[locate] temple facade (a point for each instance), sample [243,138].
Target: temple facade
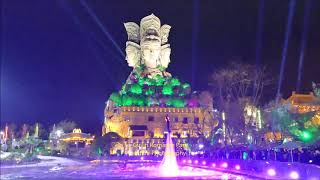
[148,122]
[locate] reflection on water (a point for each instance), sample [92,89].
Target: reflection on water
[108,171]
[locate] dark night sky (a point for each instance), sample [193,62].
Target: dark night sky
[57,63]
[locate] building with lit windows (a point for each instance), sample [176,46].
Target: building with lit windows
[303,103]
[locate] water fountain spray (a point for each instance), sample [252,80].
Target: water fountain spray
[168,165]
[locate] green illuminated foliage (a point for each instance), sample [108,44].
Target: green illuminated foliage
[141,90]
[141,81]
[116,98]
[136,89]
[185,86]
[167,90]
[179,103]
[175,82]
[127,101]
[159,80]
[306,136]
[169,102]
[150,82]
[149,92]
[140,102]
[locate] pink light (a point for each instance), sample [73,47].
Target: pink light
[141,158]
[271,172]
[294,175]
[189,161]
[184,161]
[213,165]
[237,167]
[196,161]
[204,163]
[224,165]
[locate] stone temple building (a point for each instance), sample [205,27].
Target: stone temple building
[137,112]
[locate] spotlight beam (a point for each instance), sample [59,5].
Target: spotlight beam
[303,41]
[285,46]
[104,30]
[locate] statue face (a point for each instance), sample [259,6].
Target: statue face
[132,55]
[151,36]
[150,56]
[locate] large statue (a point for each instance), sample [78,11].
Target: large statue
[147,46]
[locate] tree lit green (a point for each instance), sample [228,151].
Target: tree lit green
[136,89]
[149,92]
[167,90]
[142,90]
[127,101]
[116,98]
[175,82]
[185,86]
[306,136]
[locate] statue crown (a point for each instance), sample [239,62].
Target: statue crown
[149,22]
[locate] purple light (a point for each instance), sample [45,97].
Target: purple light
[184,161]
[294,175]
[224,165]
[189,161]
[204,163]
[141,158]
[237,167]
[196,161]
[271,172]
[213,164]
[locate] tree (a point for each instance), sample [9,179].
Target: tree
[67,125]
[24,130]
[235,87]
[42,132]
[301,127]
[103,144]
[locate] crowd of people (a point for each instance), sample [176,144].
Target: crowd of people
[303,155]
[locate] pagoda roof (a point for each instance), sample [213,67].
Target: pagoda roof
[76,137]
[309,99]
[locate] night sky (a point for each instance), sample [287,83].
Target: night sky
[57,62]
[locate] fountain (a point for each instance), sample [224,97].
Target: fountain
[168,165]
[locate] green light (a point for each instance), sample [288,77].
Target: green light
[167,90]
[175,82]
[149,92]
[185,86]
[141,81]
[179,103]
[136,89]
[306,136]
[116,98]
[169,102]
[159,80]
[127,101]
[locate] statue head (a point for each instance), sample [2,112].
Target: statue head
[147,44]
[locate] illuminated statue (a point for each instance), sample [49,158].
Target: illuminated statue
[148,46]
